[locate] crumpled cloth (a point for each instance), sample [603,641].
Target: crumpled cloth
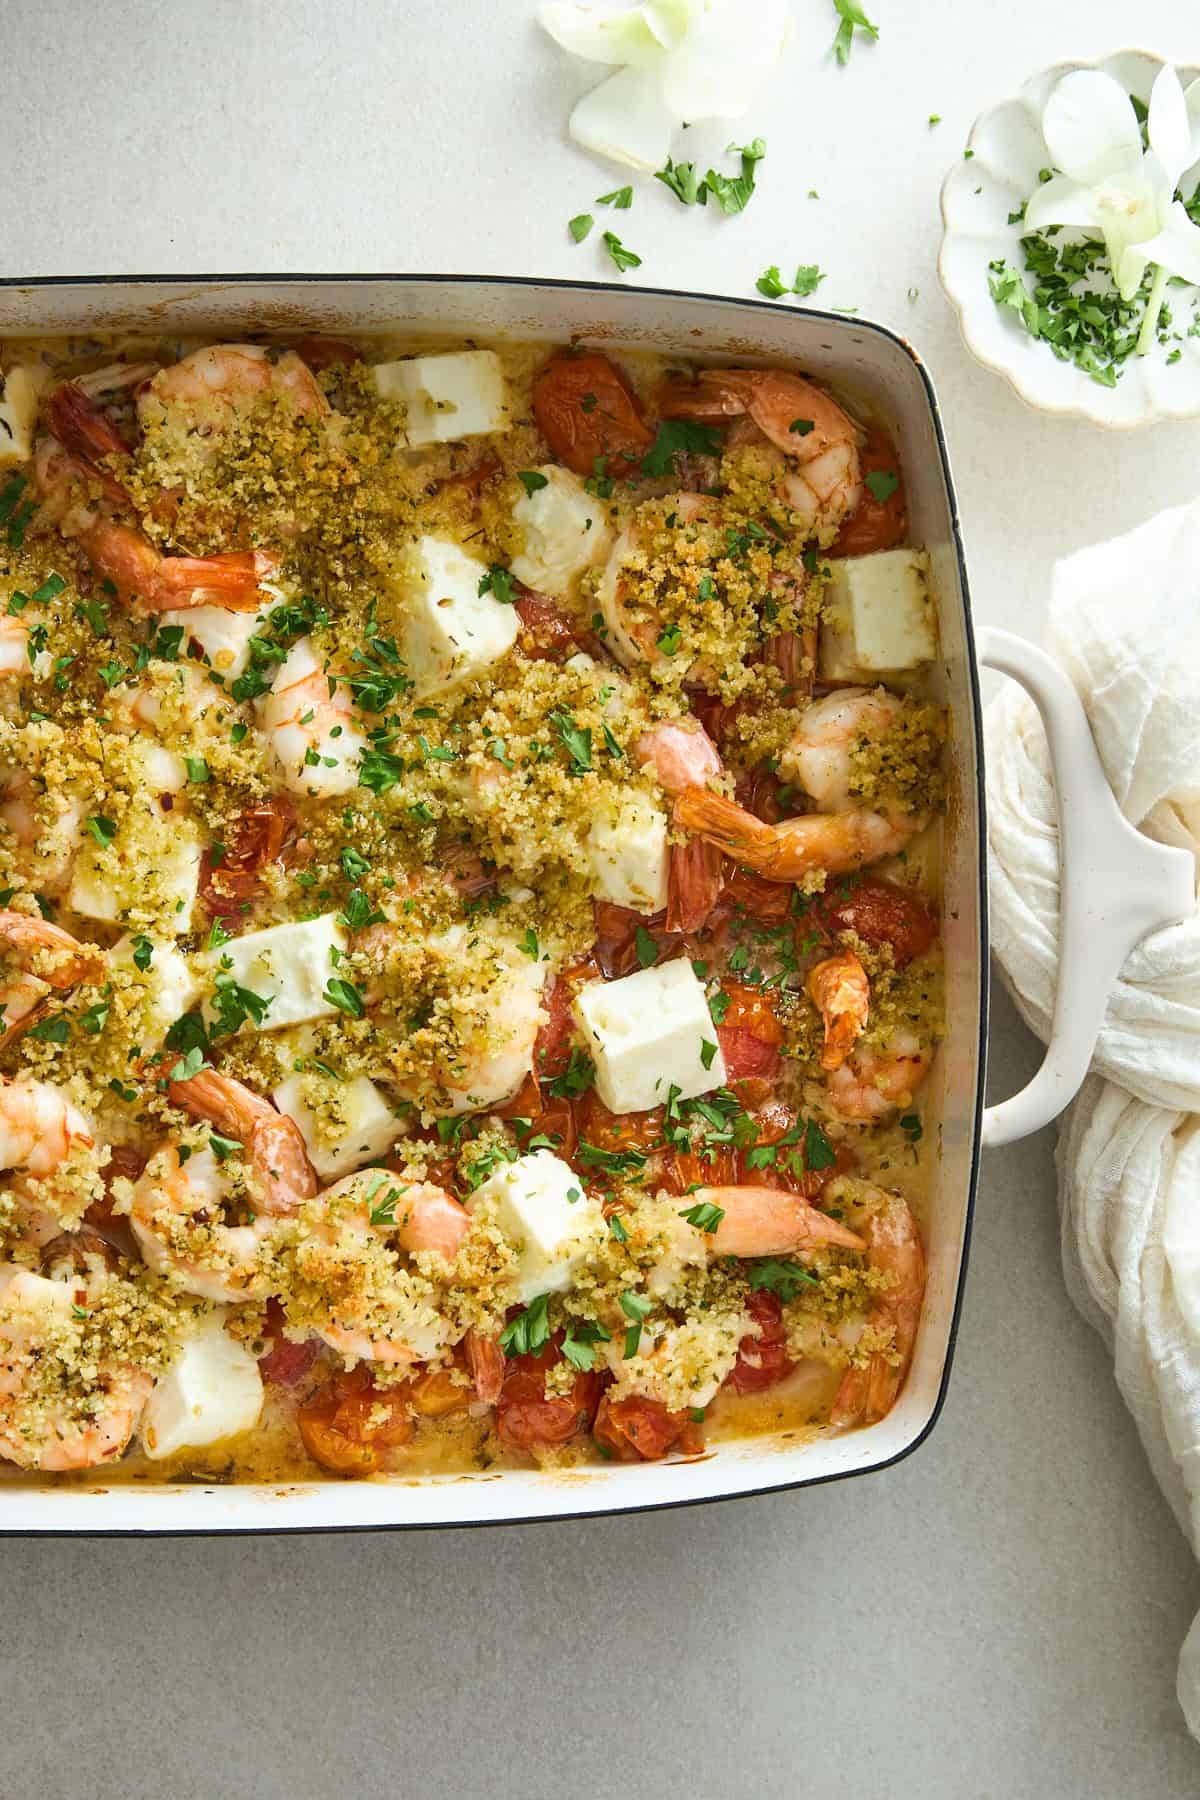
[1125,623]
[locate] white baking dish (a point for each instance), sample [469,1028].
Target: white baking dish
[1117,885]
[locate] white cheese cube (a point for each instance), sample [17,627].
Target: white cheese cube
[879,616]
[351,1124]
[565,531]
[630,855]
[160,993]
[458,395]
[148,875]
[647,1034]
[543,1211]
[18,413]
[452,631]
[212,1390]
[287,965]
[223,635]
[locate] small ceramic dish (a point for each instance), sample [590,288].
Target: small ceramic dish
[979,194]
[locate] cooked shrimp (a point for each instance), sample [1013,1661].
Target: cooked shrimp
[376,1309]
[868,1393]
[683,755]
[59,1409]
[311,727]
[818,445]
[839,989]
[273,1143]
[45,826]
[872,1083]
[839,837]
[835,842]
[214,385]
[46,958]
[485,1364]
[39,1127]
[79,422]
[178,1218]
[633,634]
[124,556]
[820,755]
[497,1011]
[763,1221]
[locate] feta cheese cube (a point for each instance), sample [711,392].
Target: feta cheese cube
[287,965]
[879,616]
[149,874]
[18,413]
[565,531]
[160,993]
[350,1124]
[458,395]
[212,1390]
[551,1223]
[647,1034]
[452,632]
[223,635]
[630,855]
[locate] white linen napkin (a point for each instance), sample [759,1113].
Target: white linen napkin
[1125,623]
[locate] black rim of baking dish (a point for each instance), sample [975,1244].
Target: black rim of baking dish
[842,323]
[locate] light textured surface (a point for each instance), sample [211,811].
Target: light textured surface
[998,1616]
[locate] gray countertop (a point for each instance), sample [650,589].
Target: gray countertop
[999,1615]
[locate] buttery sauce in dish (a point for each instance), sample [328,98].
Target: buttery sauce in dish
[469,955]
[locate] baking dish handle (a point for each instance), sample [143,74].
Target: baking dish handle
[1115,887]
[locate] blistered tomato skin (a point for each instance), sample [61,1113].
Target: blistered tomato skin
[875,524]
[526,1418]
[762,1360]
[643,1429]
[880,913]
[585,409]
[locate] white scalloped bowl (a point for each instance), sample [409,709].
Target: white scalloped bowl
[978,195]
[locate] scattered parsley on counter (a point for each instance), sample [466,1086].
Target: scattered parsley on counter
[623,258]
[853,19]
[621,198]
[580,225]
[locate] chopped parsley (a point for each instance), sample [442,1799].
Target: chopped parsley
[705,1216]
[345,996]
[853,19]
[807,280]
[529,1332]
[1073,306]
[500,582]
[785,1278]
[575,1079]
[580,225]
[883,484]
[52,1031]
[623,258]
[679,436]
[636,1307]
[102,829]
[532,480]
[912,1128]
[647,949]
[683,182]
[579,1344]
[575,740]
[621,198]
[143,952]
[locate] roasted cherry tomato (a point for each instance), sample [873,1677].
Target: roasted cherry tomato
[323,352]
[616,1131]
[749,1034]
[525,1417]
[767,901]
[880,913]
[875,524]
[585,409]
[762,1360]
[644,1428]
[552,1049]
[285,1363]
[350,1422]
[230,878]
